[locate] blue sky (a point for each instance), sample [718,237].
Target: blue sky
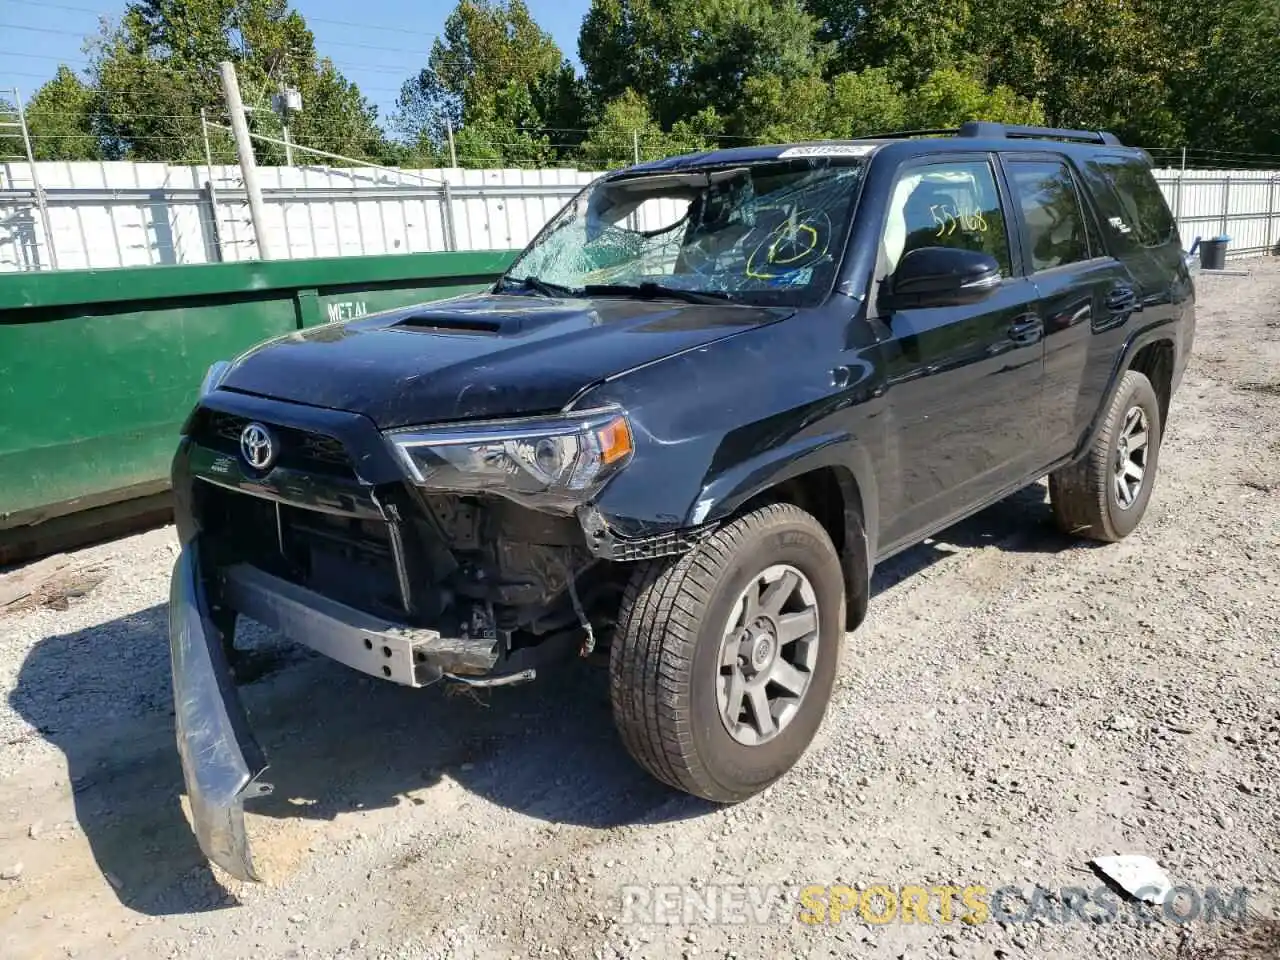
[390,43]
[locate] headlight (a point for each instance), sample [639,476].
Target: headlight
[566,457]
[214,376]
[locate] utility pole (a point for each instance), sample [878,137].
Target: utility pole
[453,154]
[244,151]
[635,145]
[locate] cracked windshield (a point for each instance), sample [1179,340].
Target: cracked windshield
[768,232]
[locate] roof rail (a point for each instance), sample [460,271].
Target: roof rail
[982,128]
[906,134]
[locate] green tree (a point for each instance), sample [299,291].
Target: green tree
[1087,63]
[60,119]
[775,110]
[627,129]
[701,131]
[504,127]
[866,102]
[425,114]
[155,70]
[683,56]
[1094,64]
[498,79]
[907,38]
[948,97]
[1225,85]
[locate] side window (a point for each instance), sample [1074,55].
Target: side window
[1145,215]
[1050,203]
[946,205]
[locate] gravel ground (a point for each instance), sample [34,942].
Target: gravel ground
[1015,705]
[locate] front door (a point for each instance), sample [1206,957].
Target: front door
[963,383]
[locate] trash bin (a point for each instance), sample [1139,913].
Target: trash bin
[1213,253]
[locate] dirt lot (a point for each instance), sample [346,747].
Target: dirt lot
[1016,705]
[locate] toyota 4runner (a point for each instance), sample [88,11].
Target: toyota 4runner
[680,431]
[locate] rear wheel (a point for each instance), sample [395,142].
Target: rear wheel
[1104,495]
[724,658]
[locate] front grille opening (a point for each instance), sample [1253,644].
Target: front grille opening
[299,449]
[348,559]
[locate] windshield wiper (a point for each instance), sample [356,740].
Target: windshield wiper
[652,291]
[542,287]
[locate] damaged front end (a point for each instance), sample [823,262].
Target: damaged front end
[398,555]
[221,761]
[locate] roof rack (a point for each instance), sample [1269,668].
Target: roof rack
[907,134]
[982,128]
[1000,131]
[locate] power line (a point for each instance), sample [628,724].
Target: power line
[332,43]
[408,72]
[306,120]
[448,58]
[1193,153]
[1237,157]
[402,31]
[19,26]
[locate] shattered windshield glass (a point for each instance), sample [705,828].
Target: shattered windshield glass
[761,232]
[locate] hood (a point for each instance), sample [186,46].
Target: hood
[494,355]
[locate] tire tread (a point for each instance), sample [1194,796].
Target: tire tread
[1080,492]
[653,647]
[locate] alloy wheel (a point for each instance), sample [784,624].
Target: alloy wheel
[767,654]
[1131,457]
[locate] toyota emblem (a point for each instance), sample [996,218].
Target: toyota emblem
[257,447]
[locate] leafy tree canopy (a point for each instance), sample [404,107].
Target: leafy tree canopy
[499,82]
[152,72]
[663,76]
[686,55]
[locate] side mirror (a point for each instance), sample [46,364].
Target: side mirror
[941,277]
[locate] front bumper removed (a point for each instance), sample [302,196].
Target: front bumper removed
[221,761]
[412,656]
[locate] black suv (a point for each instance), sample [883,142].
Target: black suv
[681,430]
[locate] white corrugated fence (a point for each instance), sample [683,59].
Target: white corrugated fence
[135,214]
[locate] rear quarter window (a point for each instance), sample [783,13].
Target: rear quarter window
[1143,217]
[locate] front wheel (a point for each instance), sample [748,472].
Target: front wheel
[1104,495]
[724,659]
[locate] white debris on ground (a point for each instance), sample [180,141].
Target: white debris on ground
[1016,705]
[1140,877]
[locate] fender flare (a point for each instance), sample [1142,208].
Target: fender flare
[852,466]
[1163,330]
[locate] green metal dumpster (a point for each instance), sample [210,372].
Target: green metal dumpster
[98,368]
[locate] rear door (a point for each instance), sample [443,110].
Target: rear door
[1138,225]
[1140,229]
[963,382]
[1086,294]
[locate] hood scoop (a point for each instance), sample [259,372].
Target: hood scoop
[498,316]
[460,323]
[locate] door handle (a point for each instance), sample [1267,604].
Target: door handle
[1026,329]
[1122,299]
